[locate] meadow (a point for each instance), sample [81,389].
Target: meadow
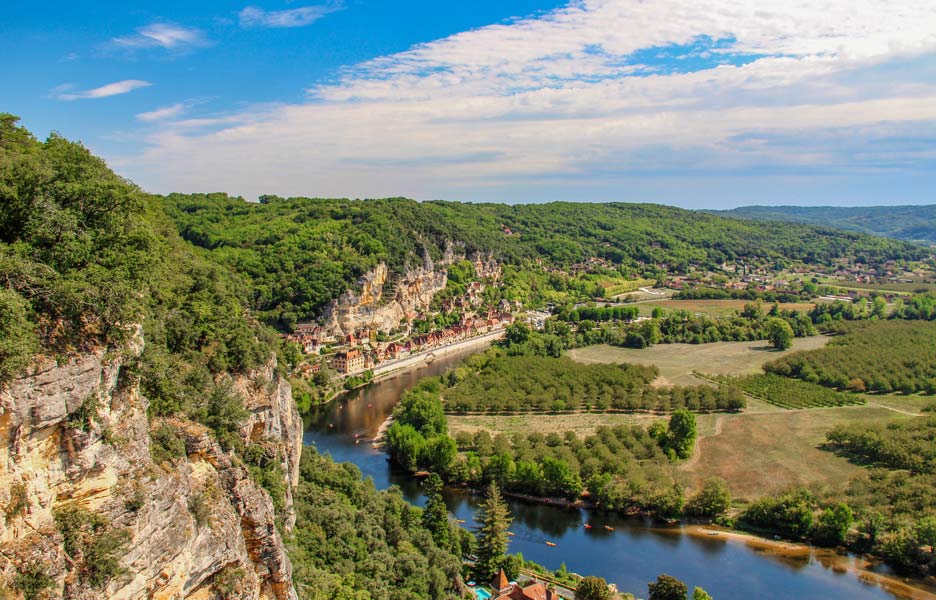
[677,362]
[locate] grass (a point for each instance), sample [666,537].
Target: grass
[677,361]
[765,453]
[763,450]
[582,424]
[714,308]
[913,404]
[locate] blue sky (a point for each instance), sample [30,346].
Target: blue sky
[697,104]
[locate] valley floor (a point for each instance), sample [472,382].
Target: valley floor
[762,450]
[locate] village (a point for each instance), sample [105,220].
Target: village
[360,351]
[372,350]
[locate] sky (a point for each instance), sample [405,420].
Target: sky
[700,104]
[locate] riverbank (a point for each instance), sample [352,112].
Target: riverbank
[838,562]
[613,540]
[414,360]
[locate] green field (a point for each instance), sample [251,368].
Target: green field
[677,362]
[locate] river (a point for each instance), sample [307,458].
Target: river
[630,556]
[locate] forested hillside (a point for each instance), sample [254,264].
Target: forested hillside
[299,253]
[909,223]
[90,266]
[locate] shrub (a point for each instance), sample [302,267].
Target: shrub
[32,581]
[166,445]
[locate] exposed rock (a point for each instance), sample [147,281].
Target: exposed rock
[274,420]
[383,300]
[77,434]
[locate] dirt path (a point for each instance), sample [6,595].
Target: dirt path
[697,450]
[896,410]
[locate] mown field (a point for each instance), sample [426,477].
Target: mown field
[760,453]
[677,362]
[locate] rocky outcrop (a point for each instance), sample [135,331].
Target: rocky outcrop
[383,300]
[76,434]
[274,423]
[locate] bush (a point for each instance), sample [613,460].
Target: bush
[790,513]
[19,501]
[94,547]
[712,500]
[32,581]
[18,341]
[166,445]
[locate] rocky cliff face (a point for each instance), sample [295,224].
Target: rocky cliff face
[76,436]
[383,300]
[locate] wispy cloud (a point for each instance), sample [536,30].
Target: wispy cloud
[600,89]
[111,89]
[253,16]
[161,114]
[162,35]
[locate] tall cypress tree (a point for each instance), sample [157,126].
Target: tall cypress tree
[435,515]
[492,535]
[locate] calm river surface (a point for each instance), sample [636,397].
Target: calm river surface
[630,556]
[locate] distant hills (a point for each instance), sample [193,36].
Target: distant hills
[909,223]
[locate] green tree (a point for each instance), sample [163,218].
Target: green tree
[713,499]
[925,532]
[833,525]
[682,433]
[440,452]
[435,514]
[494,516]
[700,594]
[17,336]
[593,588]
[667,587]
[780,334]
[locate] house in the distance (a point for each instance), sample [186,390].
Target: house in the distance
[351,361]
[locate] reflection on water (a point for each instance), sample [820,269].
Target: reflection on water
[631,555]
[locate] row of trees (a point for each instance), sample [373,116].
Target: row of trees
[624,468]
[874,356]
[504,383]
[786,392]
[906,445]
[752,323]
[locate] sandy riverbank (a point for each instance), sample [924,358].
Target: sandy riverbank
[829,558]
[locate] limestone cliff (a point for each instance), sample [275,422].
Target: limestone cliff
[383,300]
[76,434]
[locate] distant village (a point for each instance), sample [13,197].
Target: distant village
[367,348]
[360,350]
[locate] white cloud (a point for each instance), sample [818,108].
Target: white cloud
[162,35]
[253,16]
[111,89]
[579,93]
[160,114]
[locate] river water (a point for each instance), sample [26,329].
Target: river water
[631,555]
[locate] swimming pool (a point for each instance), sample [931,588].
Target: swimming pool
[482,594]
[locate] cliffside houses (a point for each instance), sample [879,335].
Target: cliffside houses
[311,336]
[348,362]
[360,350]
